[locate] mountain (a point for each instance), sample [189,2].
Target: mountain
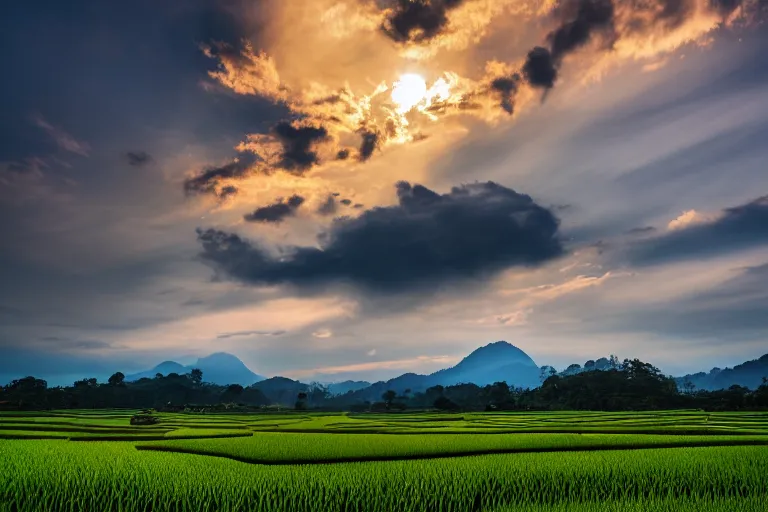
[223,368]
[749,374]
[340,388]
[499,361]
[495,362]
[163,368]
[219,368]
[281,390]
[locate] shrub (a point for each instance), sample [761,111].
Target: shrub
[144,419]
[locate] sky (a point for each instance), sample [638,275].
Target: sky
[336,189]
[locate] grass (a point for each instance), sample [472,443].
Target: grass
[385,462]
[57,475]
[293,448]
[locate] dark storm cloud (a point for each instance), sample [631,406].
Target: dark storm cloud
[469,233]
[343,154]
[539,68]
[137,158]
[580,20]
[506,87]
[277,211]
[418,20]
[226,335]
[298,143]
[738,228]
[346,202]
[328,207]
[207,181]
[368,145]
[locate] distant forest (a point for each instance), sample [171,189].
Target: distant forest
[630,385]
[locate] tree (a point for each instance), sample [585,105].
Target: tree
[158,375]
[232,393]
[613,362]
[27,384]
[117,379]
[301,401]
[445,404]
[388,396]
[86,383]
[196,376]
[689,387]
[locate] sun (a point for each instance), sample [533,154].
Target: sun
[408,91]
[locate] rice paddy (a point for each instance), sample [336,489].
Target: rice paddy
[495,462]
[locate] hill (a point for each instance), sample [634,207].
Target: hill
[748,374]
[495,362]
[219,368]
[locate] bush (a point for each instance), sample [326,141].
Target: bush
[144,419]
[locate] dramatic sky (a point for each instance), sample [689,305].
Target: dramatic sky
[357,188]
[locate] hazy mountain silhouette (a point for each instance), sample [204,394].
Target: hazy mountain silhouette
[748,374]
[340,388]
[495,362]
[281,390]
[219,368]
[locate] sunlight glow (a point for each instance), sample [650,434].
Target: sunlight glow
[408,92]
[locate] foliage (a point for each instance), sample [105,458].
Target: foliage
[144,419]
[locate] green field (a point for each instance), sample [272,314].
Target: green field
[585,461]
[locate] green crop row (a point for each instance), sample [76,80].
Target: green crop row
[293,448]
[58,475]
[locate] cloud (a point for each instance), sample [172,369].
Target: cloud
[417,20]
[410,364]
[737,228]
[331,111]
[470,233]
[328,207]
[62,139]
[506,88]
[369,144]
[371,352]
[297,142]
[323,333]
[63,343]
[689,218]
[539,68]
[246,72]
[211,180]
[644,230]
[276,212]
[226,335]
[580,20]
[137,158]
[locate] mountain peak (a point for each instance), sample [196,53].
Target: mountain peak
[218,368]
[220,358]
[501,351]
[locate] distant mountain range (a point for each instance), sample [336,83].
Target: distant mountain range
[749,374]
[499,361]
[219,368]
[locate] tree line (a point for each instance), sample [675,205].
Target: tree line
[627,386]
[170,392]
